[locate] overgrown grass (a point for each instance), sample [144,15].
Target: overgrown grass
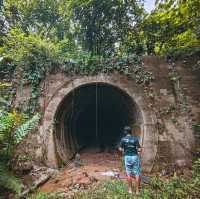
[175,188]
[8,182]
[157,188]
[41,195]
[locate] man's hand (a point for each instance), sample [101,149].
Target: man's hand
[140,150]
[120,149]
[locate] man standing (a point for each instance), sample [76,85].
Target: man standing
[130,147]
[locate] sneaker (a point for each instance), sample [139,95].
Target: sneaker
[130,191]
[137,193]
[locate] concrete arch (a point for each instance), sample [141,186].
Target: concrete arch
[149,135]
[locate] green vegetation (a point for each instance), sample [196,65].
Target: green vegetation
[196,127]
[158,187]
[14,127]
[174,187]
[89,37]
[105,28]
[39,57]
[8,181]
[25,128]
[173,28]
[41,195]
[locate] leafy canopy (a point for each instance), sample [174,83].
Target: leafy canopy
[172,26]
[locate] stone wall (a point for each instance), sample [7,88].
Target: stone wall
[176,139]
[167,135]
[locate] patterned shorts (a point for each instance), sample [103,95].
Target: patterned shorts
[132,165]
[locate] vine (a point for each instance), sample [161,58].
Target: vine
[131,66]
[30,58]
[180,98]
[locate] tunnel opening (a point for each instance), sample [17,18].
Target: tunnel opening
[93,116]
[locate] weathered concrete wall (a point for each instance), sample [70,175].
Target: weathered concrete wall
[132,89]
[176,139]
[167,136]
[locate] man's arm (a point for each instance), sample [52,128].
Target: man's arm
[120,149]
[121,146]
[139,148]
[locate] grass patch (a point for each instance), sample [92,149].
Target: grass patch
[157,188]
[174,188]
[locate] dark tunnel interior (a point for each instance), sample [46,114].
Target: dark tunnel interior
[94,116]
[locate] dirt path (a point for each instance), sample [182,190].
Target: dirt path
[96,167]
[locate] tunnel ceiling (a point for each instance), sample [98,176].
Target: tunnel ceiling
[93,115]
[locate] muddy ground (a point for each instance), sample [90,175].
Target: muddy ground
[94,167]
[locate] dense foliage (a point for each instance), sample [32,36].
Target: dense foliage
[173,27]
[38,36]
[92,25]
[86,37]
[101,25]
[14,127]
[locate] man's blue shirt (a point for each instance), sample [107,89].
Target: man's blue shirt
[130,144]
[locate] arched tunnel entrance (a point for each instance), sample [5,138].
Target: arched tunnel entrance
[93,116]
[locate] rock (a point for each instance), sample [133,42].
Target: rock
[85,181]
[35,184]
[93,179]
[145,179]
[22,167]
[78,162]
[85,174]
[163,91]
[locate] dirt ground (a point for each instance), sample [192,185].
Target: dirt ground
[95,167]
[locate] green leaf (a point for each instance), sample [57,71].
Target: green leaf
[25,128]
[8,180]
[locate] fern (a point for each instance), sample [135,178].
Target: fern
[6,124]
[8,180]
[8,140]
[25,128]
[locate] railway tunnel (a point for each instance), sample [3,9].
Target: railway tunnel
[93,116]
[81,112]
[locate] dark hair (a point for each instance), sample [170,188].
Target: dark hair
[127,130]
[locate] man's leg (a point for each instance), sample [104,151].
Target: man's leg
[129,168]
[129,179]
[137,171]
[137,184]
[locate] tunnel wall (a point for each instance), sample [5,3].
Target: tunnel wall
[94,115]
[166,140]
[149,136]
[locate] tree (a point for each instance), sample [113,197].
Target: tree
[95,26]
[100,25]
[3,22]
[173,25]
[48,18]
